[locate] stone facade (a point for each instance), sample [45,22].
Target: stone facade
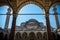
[30,25]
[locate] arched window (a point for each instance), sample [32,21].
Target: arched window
[5,17]
[54,16]
[30,11]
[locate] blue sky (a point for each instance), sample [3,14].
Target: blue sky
[28,9]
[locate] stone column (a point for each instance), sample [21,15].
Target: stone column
[12,32]
[7,19]
[49,36]
[56,17]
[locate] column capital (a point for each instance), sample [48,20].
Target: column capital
[14,15]
[47,14]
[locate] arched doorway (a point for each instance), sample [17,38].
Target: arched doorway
[24,36]
[39,36]
[18,36]
[32,36]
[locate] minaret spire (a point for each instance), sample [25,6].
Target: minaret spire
[56,16]
[7,19]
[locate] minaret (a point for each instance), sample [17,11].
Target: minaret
[7,19]
[56,16]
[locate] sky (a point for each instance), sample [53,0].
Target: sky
[28,9]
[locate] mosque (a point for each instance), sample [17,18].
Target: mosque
[31,29]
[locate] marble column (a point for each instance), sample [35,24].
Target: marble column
[7,19]
[49,35]
[56,16]
[12,32]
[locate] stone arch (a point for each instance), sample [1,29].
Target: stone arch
[18,36]
[54,3]
[30,2]
[24,36]
[32,36]
[31,13]
[45,36]
[39,36]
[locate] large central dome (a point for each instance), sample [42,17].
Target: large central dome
[33,20]
[32,24]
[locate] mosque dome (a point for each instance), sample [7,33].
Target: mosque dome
[33,20]
[32,24]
